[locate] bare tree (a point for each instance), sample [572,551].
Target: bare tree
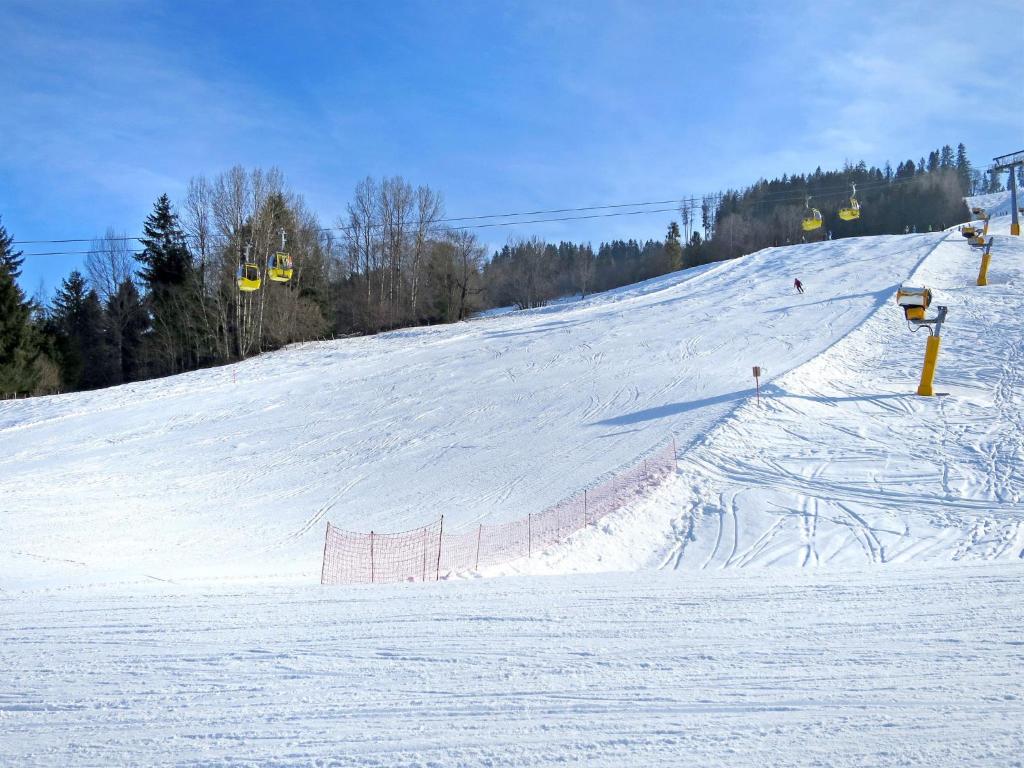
[429,208]
[469,258]
[110,261]
[583,269]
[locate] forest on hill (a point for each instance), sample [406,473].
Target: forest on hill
[169,301]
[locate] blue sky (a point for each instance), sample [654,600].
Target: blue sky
[501,106]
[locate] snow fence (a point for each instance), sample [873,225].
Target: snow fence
[431,552]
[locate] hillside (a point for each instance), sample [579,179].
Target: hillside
[133,519]
[234,471]
[841,464]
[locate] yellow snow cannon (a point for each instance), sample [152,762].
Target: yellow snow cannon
[914,301]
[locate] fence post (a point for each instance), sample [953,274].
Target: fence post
[371,558]
[584,507]
[323,568]
[423,574]
[529,534]
[440,534]
[478,532]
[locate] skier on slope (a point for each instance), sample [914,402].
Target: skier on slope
[798,285]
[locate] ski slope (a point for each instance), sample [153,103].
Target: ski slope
[833,577]
[996,204]
[232,472]
[886,666]
[841,464]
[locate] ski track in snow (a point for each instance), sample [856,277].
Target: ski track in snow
[890,477]
[881,667]
[233,471]
[158,540]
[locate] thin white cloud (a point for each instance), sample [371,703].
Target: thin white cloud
[904,75]
[121,114]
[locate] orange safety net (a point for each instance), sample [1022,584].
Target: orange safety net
[430,553]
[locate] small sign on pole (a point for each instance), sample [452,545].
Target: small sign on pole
[757,382]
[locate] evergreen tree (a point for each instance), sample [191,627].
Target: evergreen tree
[83,351]
[963,168]
[172,294]
[165,258]
[946,157]
[66,316]
[126,326]
[10,259]
[673,248]
[18,350]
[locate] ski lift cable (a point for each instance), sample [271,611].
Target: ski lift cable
[444,220]
[692,202]
[464,227]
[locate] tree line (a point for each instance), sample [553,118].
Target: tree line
[169,302]
[913,197]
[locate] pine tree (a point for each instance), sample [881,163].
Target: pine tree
[83,349]
[673,248]
[126,326]
[18,350]
[66,316]
[10,259]
[165,259]
[94,341]
[963,168]
[995,183]
[946,157]
[171,291]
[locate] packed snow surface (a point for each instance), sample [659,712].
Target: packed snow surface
[840,463]
[234,471]
[894,666]
[160,542]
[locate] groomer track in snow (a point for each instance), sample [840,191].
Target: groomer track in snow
[863,645]
[841,463]
[233,472]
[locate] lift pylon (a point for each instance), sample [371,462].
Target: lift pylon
[1011,163]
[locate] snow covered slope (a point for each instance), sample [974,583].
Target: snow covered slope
[833,660]
[233,471]
[996,204]
[841,463]
[885,667]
